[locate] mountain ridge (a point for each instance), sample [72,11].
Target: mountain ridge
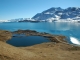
[59,13]
[70,14]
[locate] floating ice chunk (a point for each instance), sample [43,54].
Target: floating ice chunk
[74,40]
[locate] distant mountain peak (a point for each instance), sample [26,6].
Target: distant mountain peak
[70,12]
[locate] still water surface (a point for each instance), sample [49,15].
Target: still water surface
[62,28]
[22,41]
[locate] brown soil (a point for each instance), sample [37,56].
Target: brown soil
[44,51]
[5,35]
[59,51]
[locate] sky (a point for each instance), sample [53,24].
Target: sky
[12,9]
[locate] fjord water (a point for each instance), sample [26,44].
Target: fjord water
[69,29]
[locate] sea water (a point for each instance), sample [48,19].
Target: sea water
[68,29]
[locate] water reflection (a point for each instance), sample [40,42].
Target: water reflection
[62,28]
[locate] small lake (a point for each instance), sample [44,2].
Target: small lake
[22,41]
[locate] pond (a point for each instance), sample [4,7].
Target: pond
[22,41]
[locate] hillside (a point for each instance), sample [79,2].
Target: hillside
[44,51]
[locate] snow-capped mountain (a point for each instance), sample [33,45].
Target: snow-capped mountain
[1,21]
[70,14]
[58,13]
[19,20]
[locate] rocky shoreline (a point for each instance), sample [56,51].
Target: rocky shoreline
[52,38]
[60,50]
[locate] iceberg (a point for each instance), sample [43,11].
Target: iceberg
[74,40]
